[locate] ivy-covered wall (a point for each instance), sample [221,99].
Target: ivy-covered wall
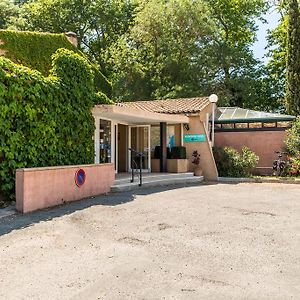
[46,121]
[34,50]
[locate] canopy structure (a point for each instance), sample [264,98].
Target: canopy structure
[225,115]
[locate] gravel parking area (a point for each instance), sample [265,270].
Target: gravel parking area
[225,241]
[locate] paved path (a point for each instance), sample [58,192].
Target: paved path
[203,242]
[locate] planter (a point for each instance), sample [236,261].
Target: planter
[177,165]
[198,171]
[155,165]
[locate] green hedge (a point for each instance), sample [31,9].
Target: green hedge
[34,50]
[45,121]
[178,152]
[231,163]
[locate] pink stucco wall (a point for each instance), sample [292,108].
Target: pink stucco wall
[263,143]
[38,188]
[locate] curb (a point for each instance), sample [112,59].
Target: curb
[257,180]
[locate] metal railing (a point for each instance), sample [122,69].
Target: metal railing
[140,156]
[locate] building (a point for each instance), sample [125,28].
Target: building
[262,132]
[143,125]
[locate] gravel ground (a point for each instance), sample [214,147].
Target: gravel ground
[220,241]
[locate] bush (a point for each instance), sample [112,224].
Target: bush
[231,163]
[178,152]
[157,152]
[293,147]
[45,121]
[293,139]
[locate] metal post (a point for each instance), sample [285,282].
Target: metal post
[213,125]
[131,165]
[141,162]
[163,147]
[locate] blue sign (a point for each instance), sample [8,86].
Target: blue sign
[194,138]
[80,177]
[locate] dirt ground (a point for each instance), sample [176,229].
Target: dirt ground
[201,242]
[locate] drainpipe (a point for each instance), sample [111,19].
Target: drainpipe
[213,99]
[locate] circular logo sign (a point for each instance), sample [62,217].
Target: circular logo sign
[80,177]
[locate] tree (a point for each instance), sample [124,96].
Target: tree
[293,59]
[162,55]
[8,10]
[191,48]
[97,23]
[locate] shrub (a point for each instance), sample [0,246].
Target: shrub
[45,121]
[293,138]
[157,152]
[178,152]
[231,163]
[293,147]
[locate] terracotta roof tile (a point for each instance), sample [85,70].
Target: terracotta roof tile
[169,106]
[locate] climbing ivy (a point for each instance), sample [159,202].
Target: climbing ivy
[34,50]
[45,121]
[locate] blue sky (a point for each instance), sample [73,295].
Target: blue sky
[259,47]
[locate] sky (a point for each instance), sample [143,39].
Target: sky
[259,47]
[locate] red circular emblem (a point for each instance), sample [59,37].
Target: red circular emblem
[80,177]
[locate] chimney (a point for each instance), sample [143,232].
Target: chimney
[72,37]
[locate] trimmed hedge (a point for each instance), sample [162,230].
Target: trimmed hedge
[178,152]
[231,163]
[34,50]
[45,121]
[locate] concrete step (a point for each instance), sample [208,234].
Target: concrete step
[154,176]
[155,182]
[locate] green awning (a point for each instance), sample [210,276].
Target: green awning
[241,115]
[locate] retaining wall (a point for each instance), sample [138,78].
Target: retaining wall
[38,188]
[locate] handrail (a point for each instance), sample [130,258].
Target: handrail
[140,155]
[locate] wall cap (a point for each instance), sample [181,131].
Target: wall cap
[63,167]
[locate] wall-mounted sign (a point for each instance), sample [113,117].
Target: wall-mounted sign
[80,177]
[193,138]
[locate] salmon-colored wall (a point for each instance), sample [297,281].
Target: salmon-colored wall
[207,162]
[39,188]
[263,143]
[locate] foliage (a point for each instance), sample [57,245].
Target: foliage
[101,98]
[293,59]
[34,50]
[293,167]
[178,152]
[276,67]
[293,138]
[231,163]
[8,10]
[45,121]
[97,23]
[191,48]
[196,158]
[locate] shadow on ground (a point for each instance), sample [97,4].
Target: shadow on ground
[19,221]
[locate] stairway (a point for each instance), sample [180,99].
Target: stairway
[123,184]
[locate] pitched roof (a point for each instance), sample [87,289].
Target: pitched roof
[169,106]
[237,114]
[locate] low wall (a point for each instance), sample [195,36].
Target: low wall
[263,143]
[38,188]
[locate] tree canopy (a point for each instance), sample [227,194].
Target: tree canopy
[167,48]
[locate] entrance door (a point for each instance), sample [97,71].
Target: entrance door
[139,140]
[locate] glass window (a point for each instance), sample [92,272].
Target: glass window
[228,126]
[105,141]
[255,125]
[241,125]
[269,125]
[284,124]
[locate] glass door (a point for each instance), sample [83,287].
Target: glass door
[139,141]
